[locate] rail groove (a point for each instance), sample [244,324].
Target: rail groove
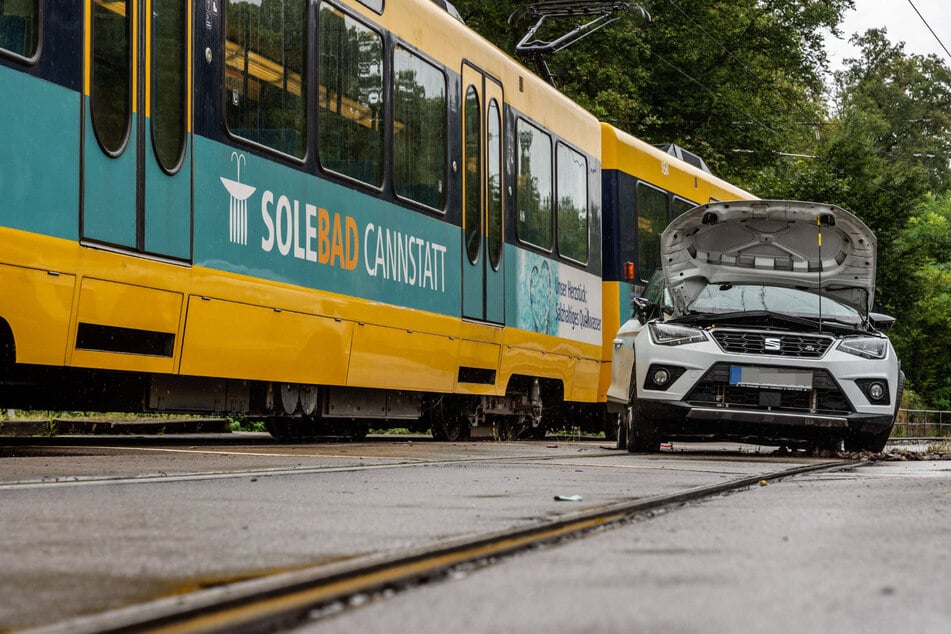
[283,600]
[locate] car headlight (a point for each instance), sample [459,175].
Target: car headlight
[674,335]
[866,347]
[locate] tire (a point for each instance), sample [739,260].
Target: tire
[636,433]
[873,443]
[642,436]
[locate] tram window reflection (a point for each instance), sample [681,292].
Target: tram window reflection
[350,97]
[264,80]
[19,27]
[419,129]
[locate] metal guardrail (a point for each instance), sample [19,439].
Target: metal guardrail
[918,423]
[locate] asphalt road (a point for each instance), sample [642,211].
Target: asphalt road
[867,551]
[95,527]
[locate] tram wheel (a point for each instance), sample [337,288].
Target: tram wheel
[503,429]
[454,427]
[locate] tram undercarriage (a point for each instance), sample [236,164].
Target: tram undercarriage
[296,412]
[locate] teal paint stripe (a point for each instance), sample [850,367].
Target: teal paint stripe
[39,156]
[109,190]
[167,205]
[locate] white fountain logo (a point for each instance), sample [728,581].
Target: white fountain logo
[238,222]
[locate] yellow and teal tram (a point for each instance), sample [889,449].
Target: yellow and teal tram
[320,213]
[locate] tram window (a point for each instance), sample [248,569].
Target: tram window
[534,182]
[170,29]
[350,98]
[682,206]
[473,174]
[419,130]
[264,73]
[19,26]
[651,222]
[494,173]
[111,91]
[572,201]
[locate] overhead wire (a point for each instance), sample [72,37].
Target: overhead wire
[948,53]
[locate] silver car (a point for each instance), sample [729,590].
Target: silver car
[759,328]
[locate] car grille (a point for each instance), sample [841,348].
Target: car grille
[714,390]
[781,344]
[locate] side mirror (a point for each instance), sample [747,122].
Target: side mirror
[880,321]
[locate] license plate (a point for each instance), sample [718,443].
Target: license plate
[776,378]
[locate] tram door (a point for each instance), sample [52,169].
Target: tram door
[483,273]
[136,156]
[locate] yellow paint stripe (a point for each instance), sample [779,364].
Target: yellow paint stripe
[87,46]
[135,54]
[189,47]
[148,58]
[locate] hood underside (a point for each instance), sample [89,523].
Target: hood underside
[782,243]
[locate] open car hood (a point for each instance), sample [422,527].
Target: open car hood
[770,242]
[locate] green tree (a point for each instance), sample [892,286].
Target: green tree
[887,145]
[923,334]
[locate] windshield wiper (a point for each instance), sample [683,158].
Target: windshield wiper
[713,317]
[839,322]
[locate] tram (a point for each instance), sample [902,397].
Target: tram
[318,214]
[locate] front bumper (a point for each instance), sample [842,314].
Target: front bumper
[826,396]
[685,420]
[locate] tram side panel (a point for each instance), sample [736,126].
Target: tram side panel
[366,289]
[39,177]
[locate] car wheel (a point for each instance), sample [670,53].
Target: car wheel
[640,433]
[642,436]
[874,443]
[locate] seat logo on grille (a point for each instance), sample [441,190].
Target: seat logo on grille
[773,344]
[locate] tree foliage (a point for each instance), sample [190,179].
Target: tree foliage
[924,338]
